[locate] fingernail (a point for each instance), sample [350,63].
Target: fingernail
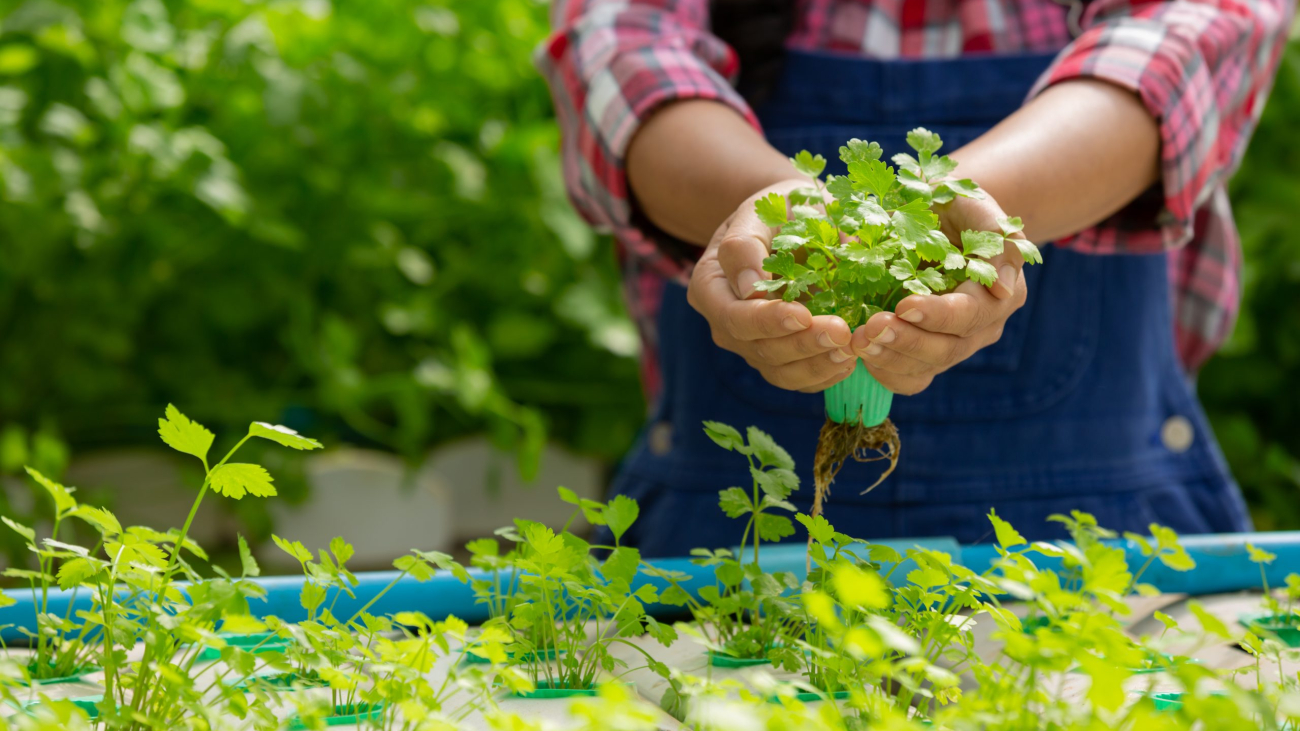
[839,356]
[874,349]
[912,316]
[886,336]
[1007,278]
[792,324]
[745,282]
[826,341]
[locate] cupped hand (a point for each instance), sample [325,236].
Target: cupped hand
[928,334]
[782,340]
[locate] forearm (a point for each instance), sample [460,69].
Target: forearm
[694,162]
[1074,155]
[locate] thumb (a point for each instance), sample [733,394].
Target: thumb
[742,250]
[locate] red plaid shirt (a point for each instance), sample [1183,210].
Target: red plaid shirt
[1202,67]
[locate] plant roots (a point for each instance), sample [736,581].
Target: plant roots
[838,442]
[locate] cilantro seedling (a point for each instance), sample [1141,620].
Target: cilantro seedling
[859,243]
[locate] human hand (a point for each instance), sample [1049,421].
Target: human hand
[928,334]
[782,340]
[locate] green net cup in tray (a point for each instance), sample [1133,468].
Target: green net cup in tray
[723,660]
[546,690]
[77,675]
[813,696]
[255,642]
[344,715]
[1285,628]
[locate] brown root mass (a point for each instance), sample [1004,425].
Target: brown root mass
[838,442]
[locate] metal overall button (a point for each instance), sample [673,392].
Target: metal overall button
[1177,434]
[660,438]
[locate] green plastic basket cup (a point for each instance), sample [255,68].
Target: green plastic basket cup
[1285,628]
[860,396]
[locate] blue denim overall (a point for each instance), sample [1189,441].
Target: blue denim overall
[1082,404]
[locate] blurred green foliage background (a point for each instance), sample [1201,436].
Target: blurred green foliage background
[348,216]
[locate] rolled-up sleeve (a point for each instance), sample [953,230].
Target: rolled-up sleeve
[1203,68]
[610,64]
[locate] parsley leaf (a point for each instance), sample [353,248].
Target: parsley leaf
[924,142]
[809,164]
[872,176]
[771,210]
[855,150]
[981,243]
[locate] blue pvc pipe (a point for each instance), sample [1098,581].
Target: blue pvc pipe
[1222,565]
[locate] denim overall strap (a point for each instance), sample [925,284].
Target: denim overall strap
[1081,404]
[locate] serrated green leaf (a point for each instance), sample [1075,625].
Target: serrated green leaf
[183,435]
[19,528]
[916,286]
[99,518]
[935,246]
[983,244]
[788,242]
[907,164]
[247,563]
[871,213]
[293,548]
[819,529]
[1028,251]
[725,436]
[767,450]
[782,263]
[774,527]
[1007,535]
[873,177]
[76,572]
[620,514]
[735,502]
[772,210]
[62,497]
[283,436]
[770,285]
[937,168]
[621,565]
[881,553]
[1259,555]
[809,164]
[855,150]
[902,269]
[913,222]
[776,482]
[234,480]
[840,187]
[932,278]
[924,141]
[981,271]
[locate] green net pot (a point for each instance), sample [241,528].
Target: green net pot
[723,660]
[344,715]
[546,690]
[75,676]
[858,397]
[1285,628]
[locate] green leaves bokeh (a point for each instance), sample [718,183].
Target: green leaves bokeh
[1250,387]
[348,214]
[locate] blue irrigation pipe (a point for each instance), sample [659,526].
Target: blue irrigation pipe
[1222,565]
